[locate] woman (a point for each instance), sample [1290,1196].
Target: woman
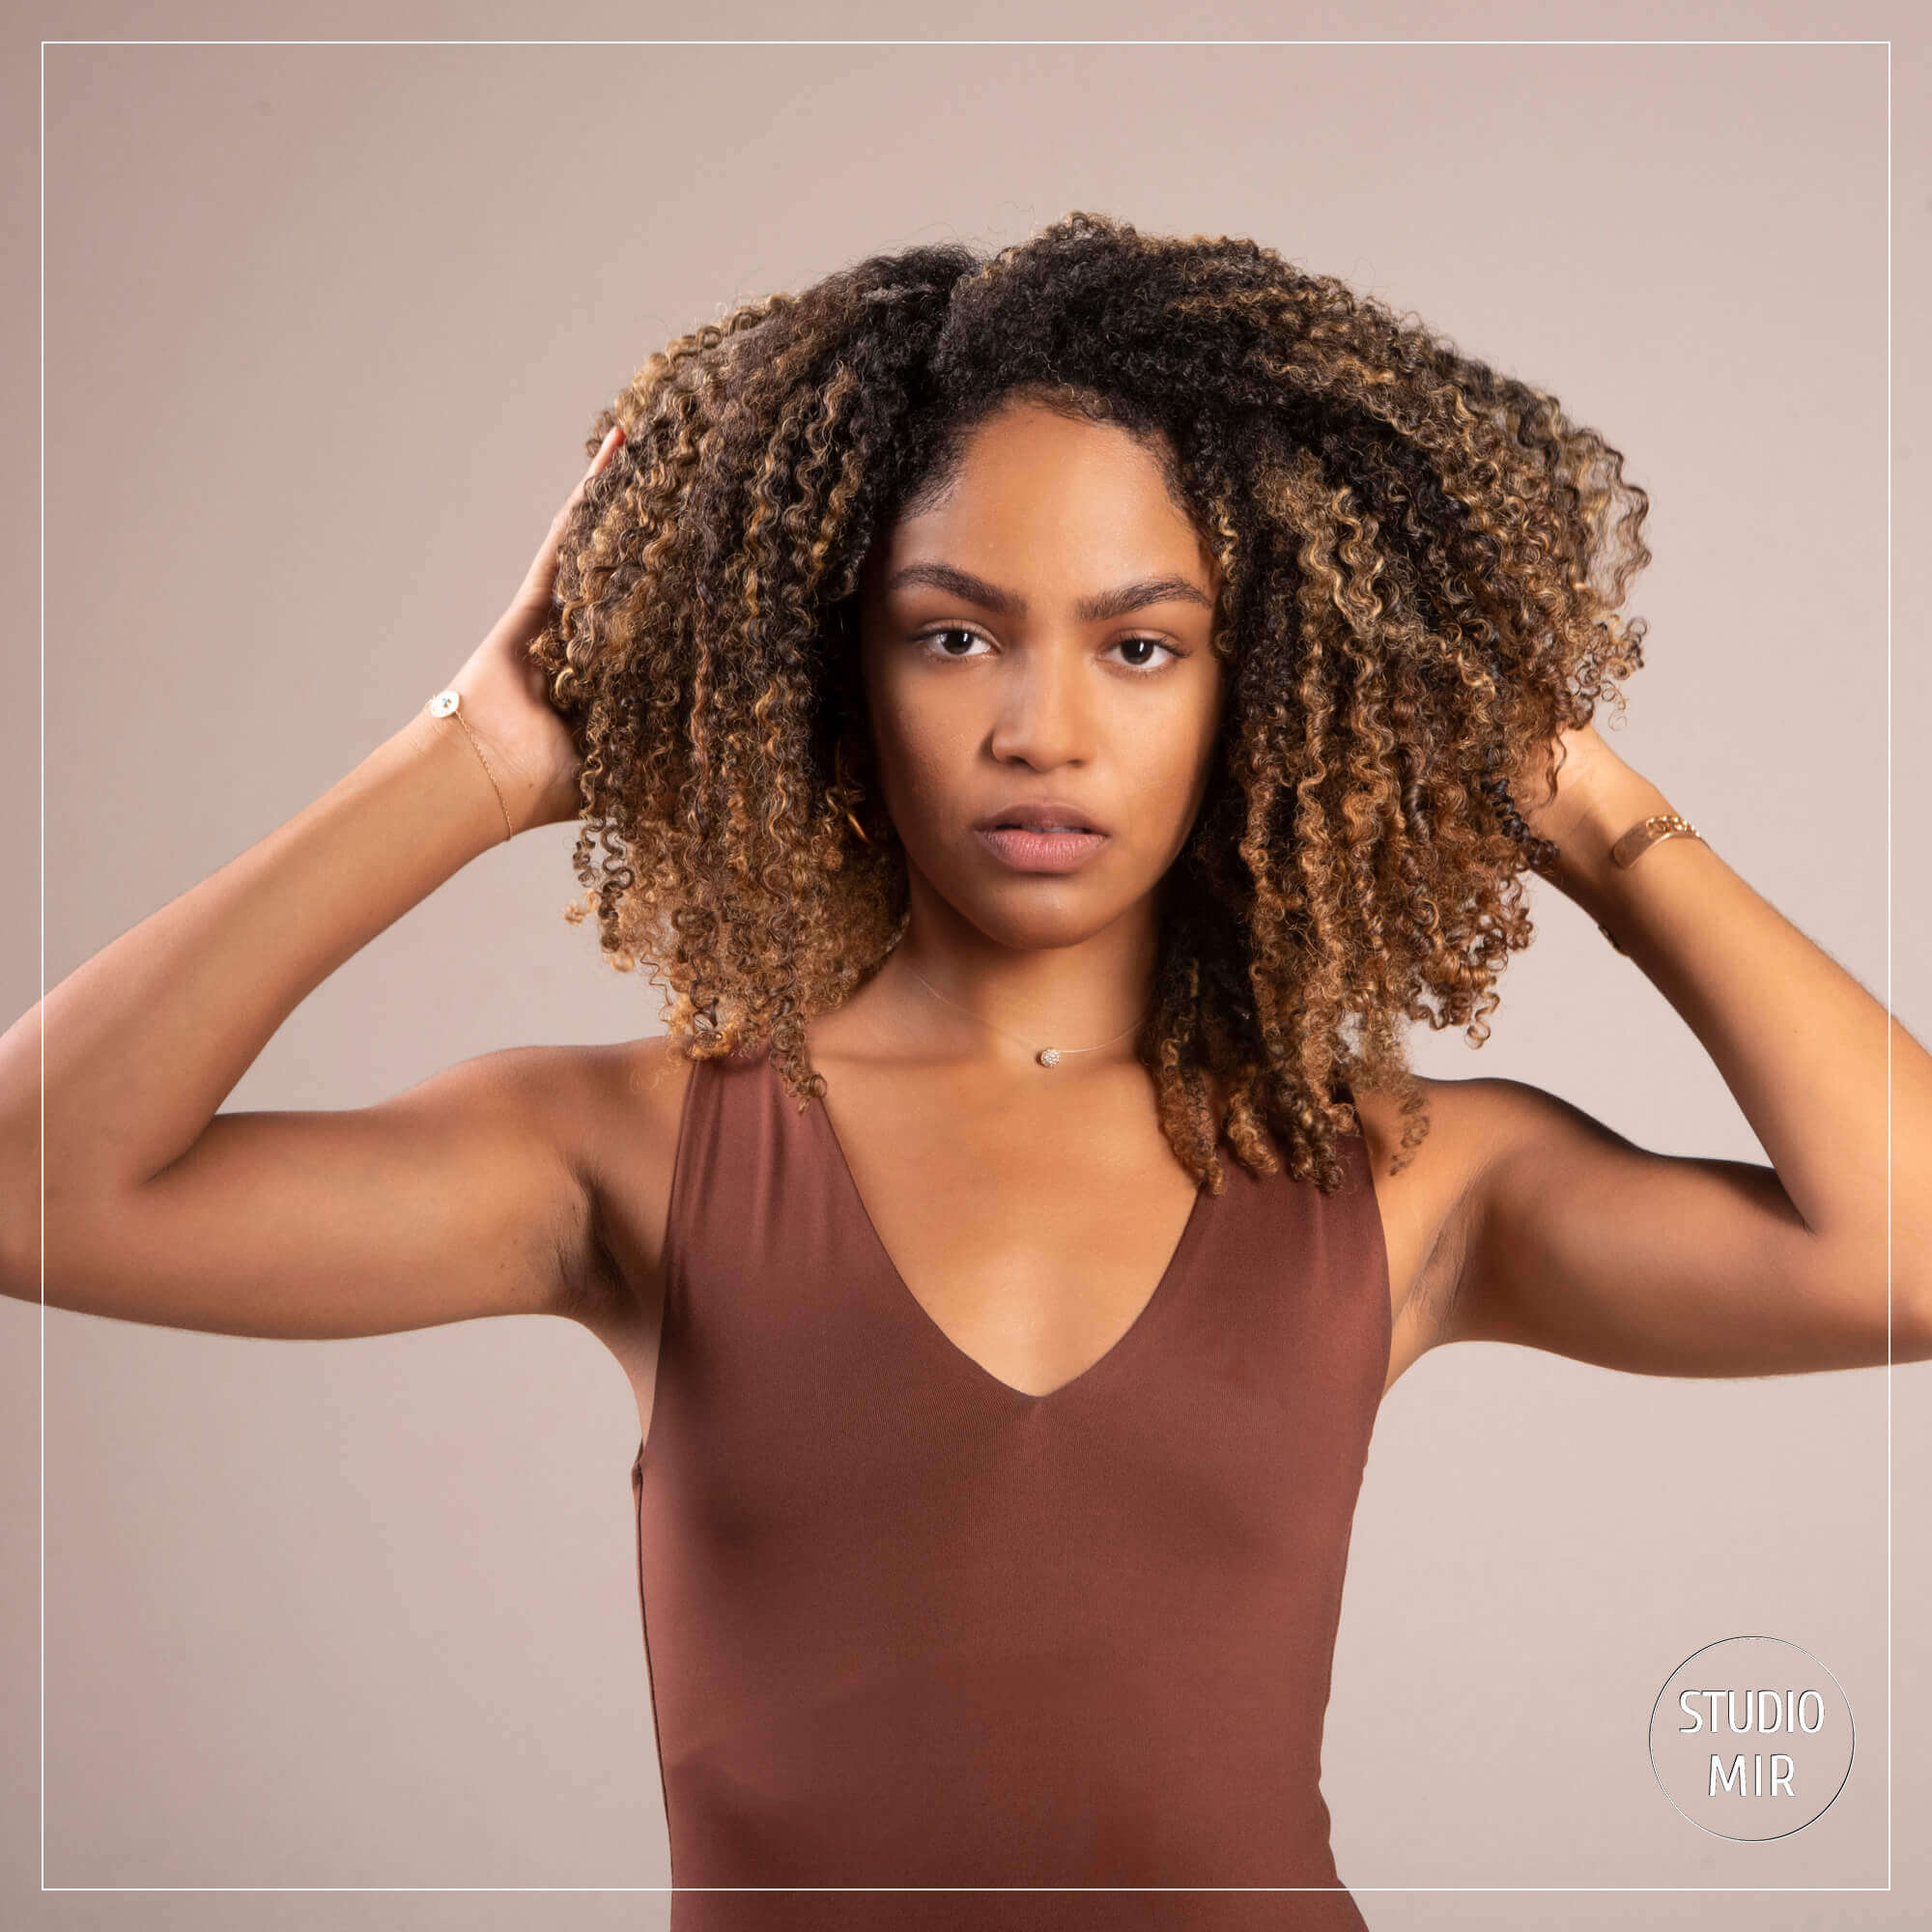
[1050,722]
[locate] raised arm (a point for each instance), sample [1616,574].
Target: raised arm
[1578,1241]
[466,1195]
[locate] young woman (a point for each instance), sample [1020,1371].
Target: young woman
[1050,722]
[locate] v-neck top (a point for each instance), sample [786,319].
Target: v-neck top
[907,1626]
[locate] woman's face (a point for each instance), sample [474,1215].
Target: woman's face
[1040,639]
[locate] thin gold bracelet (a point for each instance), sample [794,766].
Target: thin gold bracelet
[450,704]
[1636,841]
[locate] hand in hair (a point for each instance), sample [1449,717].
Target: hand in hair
[532,748]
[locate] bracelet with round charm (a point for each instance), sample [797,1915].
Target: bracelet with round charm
[450,704]
[1636,841]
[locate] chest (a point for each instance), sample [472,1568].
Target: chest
[1032,1229]
[1014,1241]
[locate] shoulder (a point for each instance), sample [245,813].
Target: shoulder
[643,1079]
[633,1093]
[1468,1122]
[610,1113]
[1430,1196]
[582,1099]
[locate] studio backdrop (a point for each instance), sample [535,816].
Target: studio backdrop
[324,329]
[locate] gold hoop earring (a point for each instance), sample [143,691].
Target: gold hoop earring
[844,784]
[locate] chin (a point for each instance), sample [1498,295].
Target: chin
[1039,914]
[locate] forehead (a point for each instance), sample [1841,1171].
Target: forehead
[1057,499]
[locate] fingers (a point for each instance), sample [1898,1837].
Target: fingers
[542,572]
[605,451]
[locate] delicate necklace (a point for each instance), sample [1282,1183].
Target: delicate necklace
[1047,1056]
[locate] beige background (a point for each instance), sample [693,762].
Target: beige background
[324,328]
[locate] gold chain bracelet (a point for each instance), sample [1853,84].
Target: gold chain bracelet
[450,704]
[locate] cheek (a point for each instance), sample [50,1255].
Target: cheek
[1175,773]
[923,743]
[1178,758]
[920,721]
[925,760]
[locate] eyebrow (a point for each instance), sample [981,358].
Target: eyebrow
[1009,604]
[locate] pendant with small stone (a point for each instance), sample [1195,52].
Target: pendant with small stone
[1049,1055]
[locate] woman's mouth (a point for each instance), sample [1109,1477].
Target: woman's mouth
[1042,848]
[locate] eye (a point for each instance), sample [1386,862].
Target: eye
[1142,664]
[928,637]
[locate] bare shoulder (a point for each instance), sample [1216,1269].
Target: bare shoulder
[643,1081]
[617,1109]
[1468,1122]
[590,1102]
[1428,1207]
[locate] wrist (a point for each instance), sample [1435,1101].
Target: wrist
[453,714]
[1583,870]
[476,796]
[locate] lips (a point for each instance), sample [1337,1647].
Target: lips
[1041,835]
[1041,815]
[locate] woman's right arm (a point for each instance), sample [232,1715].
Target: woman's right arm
[456,1198]
[466,1195]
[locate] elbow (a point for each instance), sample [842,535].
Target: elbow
[1910,1275]
[22,1204]
[1886,1298]
[20,1263]
[20,1199]
[21,1249]
[1911,1321]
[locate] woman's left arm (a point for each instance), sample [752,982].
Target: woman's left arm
[1581,1243]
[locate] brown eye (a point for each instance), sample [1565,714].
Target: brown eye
[946,631]
[1148,644]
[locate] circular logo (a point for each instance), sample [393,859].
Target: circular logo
[1752,1738]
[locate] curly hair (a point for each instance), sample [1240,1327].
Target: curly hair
[1421,563]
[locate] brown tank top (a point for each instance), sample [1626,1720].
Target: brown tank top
[908,1625]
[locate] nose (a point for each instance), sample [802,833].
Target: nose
[1044,718]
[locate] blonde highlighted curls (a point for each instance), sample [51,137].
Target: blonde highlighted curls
[1423,561]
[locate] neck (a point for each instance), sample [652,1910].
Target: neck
[949,991]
